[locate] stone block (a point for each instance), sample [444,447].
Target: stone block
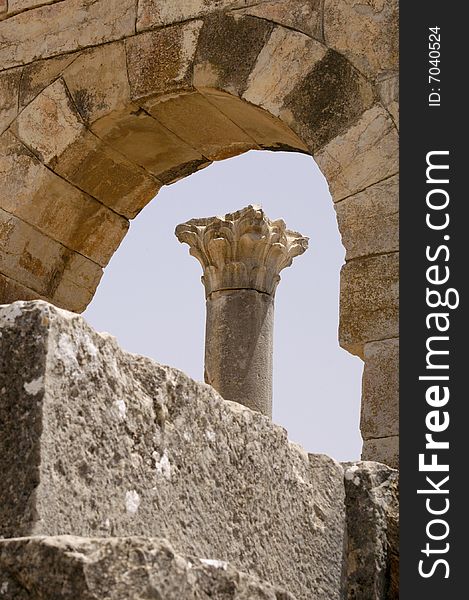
[384,450]
[77,283]
[366,32]
[39,263]
[369,220]
[105,174]
[301,15]
[369,301]
[40,74]
[193,119]
[160,62]
[372,501]
[368,152]
[62,27]
[158,13]
[99,442]
[380,398]
[146,142]
[327,100]
[50,123]
[15,6]
[285,51]
[9,90]
[74,568]
[389,94]
[228,48]
[10,291]
[98,82]
[267,131]
[58,209]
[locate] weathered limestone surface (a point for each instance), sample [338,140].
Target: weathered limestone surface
[384,450]
[55,29]
[367,153]
[201,126]
[161,61]
[227,51]
[45,266]
[97,442]
[239,347]
[369,304]
[369,220]
[53,206]
[380,402]
[74,568]
[156,13]
[302,15]
[284,47]
[366,32]
[372,502]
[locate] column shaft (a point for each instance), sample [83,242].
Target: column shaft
[239,347]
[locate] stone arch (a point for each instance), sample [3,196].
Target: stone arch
[106,102]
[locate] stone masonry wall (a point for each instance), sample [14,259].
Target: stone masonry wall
[112,447]
[104,101]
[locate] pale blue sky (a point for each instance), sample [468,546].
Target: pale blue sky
[152,300]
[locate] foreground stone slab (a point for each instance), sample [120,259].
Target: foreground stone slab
[373,531]
[73,568]
[98,442]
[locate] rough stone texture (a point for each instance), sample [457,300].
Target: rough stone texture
[367,153]
[108,443]
[331,97]
[9,90]
[369,301]
[118,569]
[365,31]
[97,81]
[161,61]
[302,15]
[372,501]
[369,220]
[10,290]
[50,123]
[380,400]
[145,141]
[55,207]
[227,51]
[45,266]
[201,125]
[267,131]
[69,25]
[156,13]
[105,174]
[384,450]
[242,250]
[40,74]
[389,94]
[239,347]
[267,86]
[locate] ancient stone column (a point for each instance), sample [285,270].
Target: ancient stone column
[241,255]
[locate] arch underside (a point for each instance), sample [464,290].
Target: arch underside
[104,103]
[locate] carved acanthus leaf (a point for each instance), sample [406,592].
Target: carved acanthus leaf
[242,250]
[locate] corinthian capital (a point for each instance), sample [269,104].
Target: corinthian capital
[242,250]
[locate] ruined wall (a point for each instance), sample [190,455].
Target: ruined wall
[125,453]
[102,102]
